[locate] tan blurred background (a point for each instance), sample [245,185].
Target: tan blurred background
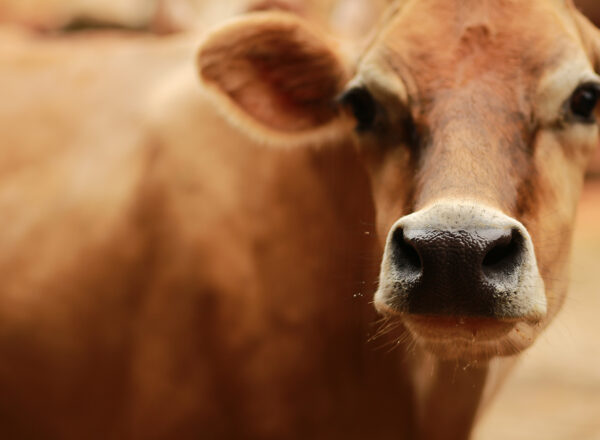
[166,16]
[555,391]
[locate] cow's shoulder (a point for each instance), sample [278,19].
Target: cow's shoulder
[81,211]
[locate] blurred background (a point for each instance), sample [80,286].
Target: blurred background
[169,16]
[555,391]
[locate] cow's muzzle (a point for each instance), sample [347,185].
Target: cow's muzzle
[459,259]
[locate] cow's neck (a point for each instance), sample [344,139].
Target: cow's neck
[450,394]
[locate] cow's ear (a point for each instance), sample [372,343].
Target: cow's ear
[275,77]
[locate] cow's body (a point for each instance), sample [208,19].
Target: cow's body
[174,279]
[124,320]
[68,299]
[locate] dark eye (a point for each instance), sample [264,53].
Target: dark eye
[363,106]
[584,101]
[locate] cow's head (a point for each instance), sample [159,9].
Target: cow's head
[475,120]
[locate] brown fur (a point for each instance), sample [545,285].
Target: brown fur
[163,276]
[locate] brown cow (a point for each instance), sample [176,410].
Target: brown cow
[188,282]
[475,128]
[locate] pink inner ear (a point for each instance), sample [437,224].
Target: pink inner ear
[283,80]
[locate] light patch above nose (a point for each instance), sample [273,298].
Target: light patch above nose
[455,214]
[520,296]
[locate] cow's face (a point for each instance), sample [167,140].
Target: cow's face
[477,125]
[475,121]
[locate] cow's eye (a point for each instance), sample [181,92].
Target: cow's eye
[363,106]
[584,101]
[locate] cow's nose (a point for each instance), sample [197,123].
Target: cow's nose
[460,258]
[457,272]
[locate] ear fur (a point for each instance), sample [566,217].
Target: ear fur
[276,78]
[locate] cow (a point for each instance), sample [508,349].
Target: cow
[197,263]
[475,129]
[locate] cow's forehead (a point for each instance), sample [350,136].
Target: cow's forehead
[439,45]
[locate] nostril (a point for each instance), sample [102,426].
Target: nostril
[405,257]
[504,255]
